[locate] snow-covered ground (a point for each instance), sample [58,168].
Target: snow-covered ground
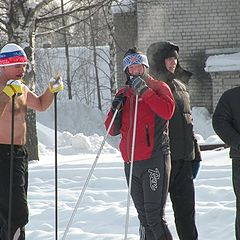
[102,211]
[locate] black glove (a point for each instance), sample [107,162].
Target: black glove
[118,101]
[195,168]
[139,86]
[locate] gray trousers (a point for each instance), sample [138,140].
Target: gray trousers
[149,192]
[236,187]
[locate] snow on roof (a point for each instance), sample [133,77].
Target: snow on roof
[223,62]
[124,6]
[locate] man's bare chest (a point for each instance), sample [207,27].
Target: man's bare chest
[20,106]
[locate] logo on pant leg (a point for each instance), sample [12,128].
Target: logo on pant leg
[154,175]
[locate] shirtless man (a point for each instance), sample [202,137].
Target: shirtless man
[13,62]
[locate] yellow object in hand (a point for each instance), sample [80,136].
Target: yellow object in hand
[13,87]
[56,84]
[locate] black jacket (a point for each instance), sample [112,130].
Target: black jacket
[226,120]
[183,144]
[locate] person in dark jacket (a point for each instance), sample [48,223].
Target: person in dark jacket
[185,152]
[151,160]
[226,123]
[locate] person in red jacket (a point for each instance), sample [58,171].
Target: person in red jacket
[151,161]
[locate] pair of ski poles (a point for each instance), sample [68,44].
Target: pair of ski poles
[11,168]
[56,172]
[94,165]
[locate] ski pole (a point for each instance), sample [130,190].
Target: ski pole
[11,171]
[57,78]
[56,169]
[131,167]
[91,171]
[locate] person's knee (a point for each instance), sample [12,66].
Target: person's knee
[154,214]
[21,215]
[142,219]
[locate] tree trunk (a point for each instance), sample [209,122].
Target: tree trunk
[21,30]
[32,140]
[69,83]
[112,52]
[95,63]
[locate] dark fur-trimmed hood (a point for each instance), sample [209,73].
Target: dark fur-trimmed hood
[156,54]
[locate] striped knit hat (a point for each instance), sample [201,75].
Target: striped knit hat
[135,58]
[12,54]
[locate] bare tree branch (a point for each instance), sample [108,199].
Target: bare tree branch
[3,22]
[41,4]
[80,9]
[3,29]
[77,22]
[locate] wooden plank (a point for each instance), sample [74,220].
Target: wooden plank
[206,147]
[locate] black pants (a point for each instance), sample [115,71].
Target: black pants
[19,208]
[236,187]
[182,195]
[149,190]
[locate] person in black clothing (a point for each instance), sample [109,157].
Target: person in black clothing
[226,123]
[185,152]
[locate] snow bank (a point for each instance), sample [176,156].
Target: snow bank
[223,62]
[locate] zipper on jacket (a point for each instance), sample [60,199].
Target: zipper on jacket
[147,135]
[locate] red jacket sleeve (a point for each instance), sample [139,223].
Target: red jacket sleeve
[159,98]
[116,126]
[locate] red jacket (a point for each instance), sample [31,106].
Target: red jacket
[155,107]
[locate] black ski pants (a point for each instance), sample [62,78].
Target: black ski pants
[182,195]
[149,191]
[236,187]
[19,208]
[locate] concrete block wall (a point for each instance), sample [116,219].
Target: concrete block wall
[125,37]
[194,25]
